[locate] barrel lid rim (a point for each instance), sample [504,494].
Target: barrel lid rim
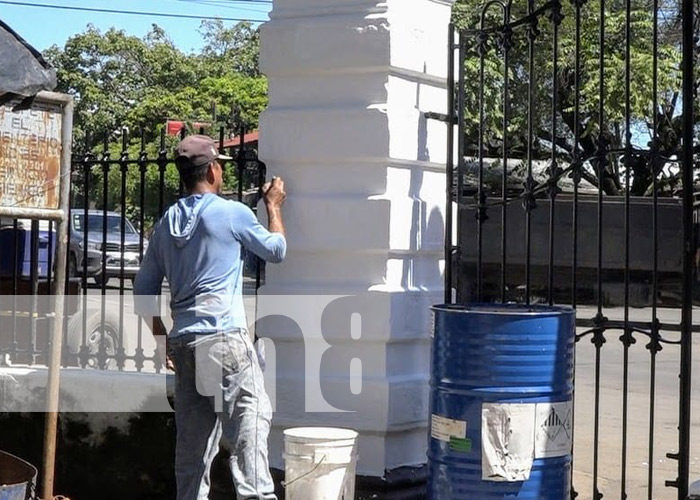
[504,309]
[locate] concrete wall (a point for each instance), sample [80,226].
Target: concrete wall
[669,245]
[348,85]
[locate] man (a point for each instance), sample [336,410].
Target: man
[219,393]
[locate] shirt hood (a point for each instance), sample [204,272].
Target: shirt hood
[184,216]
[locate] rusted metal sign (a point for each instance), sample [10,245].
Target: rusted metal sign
[35,158]
[30,156]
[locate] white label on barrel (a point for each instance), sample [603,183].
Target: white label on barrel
[507,441]
[553,429]
[443,429]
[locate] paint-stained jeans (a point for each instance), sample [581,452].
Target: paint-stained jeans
[220,397]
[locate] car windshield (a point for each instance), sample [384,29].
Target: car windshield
[95,224]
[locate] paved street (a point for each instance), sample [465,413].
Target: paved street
[666,405]
[611,383]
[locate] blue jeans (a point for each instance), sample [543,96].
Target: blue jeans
[220,398]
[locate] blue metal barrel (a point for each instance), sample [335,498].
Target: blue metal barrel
[17,478]
[501,402]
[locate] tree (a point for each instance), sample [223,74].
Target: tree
[230,50]
[124,84]
[120,80]
[563,84]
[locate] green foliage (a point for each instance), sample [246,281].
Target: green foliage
[537,80]
[123,83]
[122,80]
[228,50]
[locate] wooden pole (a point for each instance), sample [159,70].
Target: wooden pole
[52,399]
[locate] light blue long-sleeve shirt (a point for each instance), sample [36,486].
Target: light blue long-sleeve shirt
[197,247]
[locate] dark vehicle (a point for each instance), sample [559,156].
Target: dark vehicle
[97,247]
[85,325]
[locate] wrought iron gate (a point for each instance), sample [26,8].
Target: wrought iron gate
[92,175]
[574,183]
[119,188]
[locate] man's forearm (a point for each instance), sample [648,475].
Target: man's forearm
[274,220]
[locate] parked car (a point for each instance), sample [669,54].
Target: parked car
[88,330]
[16,289]
[97,247]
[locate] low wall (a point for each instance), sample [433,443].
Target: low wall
[669,244]
[116,431]
[116,438]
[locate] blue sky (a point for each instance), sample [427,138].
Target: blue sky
[43,27]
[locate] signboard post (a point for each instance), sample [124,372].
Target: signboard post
[35,166]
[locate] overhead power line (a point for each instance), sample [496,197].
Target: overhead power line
[232,2]
[250,5]
[127,12]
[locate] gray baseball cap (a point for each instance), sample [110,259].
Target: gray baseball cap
[197,150]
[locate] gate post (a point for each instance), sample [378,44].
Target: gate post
[349,85]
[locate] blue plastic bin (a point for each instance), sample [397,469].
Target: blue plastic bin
[23,261]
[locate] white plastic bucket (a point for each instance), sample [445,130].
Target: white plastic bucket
[320,463]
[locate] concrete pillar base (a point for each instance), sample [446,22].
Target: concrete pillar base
[402,483]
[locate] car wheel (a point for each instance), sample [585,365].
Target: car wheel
[99,338]
[101,279]
[72,267]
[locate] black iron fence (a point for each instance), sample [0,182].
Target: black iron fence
[118,191]
[574,183]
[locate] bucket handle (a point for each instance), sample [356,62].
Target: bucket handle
[291,481]
[31,490]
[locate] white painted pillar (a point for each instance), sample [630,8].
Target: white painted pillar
[349,82]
